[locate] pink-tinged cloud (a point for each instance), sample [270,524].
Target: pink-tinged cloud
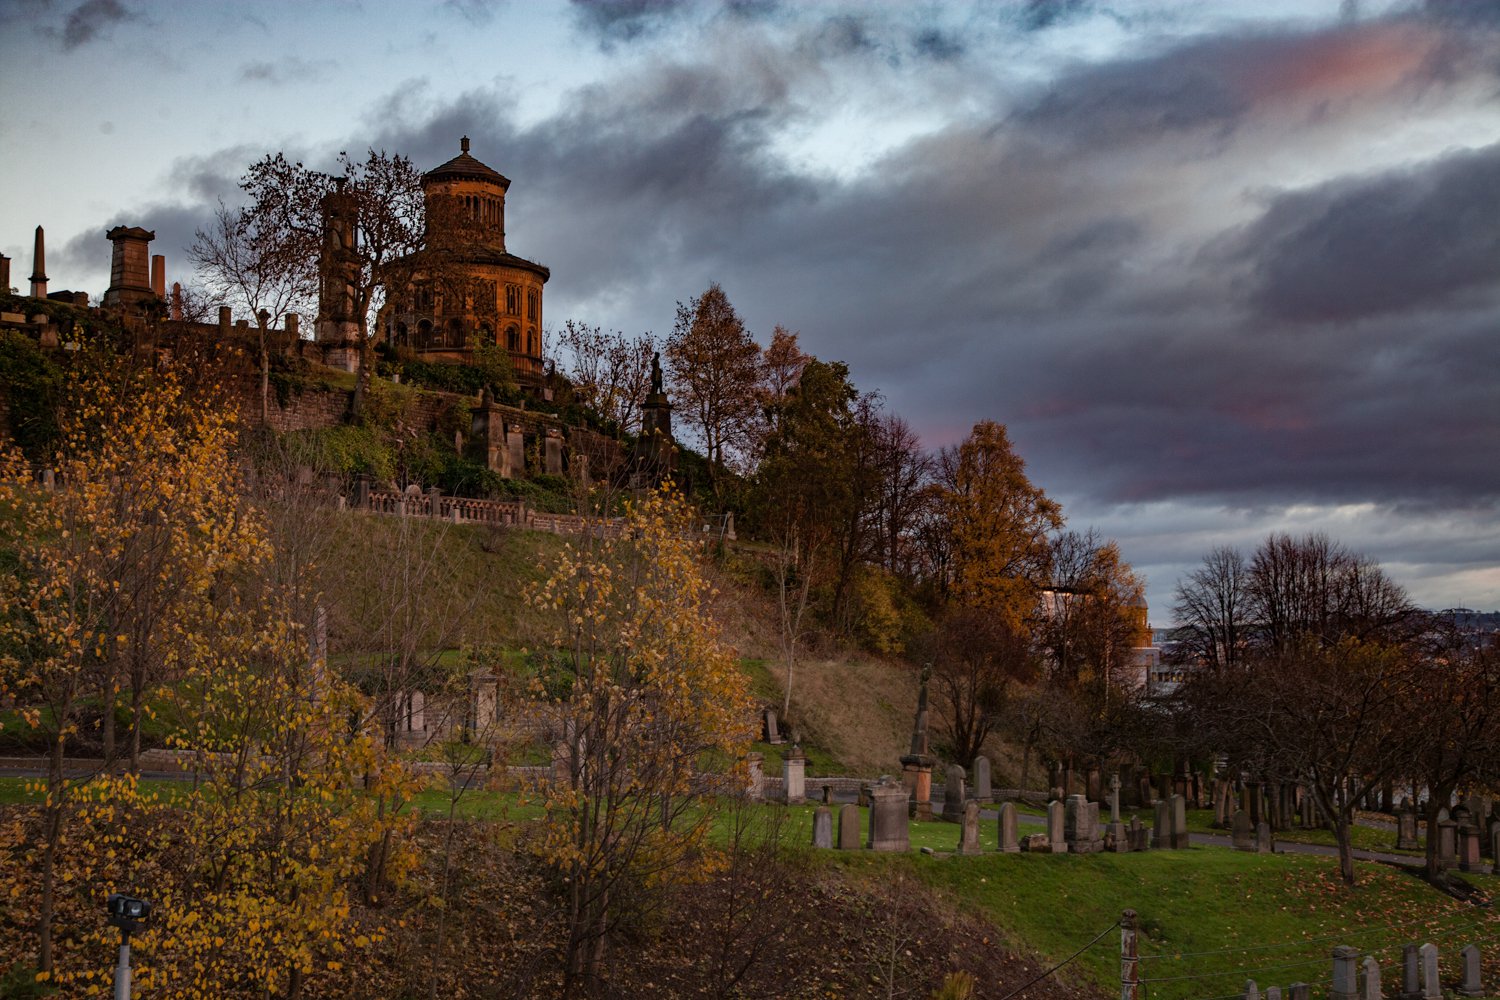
[1337,66]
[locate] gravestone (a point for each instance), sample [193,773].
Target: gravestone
[1114,798]
[1163,825]
[793,773]
[1007,824]
[1345,974]
[1056,823]
[1406,828]
[1370,970]
[1468,848]
[968,838]
[1495,848]
[1273,993]
[953,795]
[1447,851]
[1036,843]
[823,827]
[1221,803]
[1180,835]
[1081,825]
[755,785]
[1242,833]
[770,730]
[848,827]
[1264,842]
[1298,991]
[888,818]
[982,790]
[1138,835]
[1471,985]
[1251,993]
[1411,973]
[1431,988]
[827,794]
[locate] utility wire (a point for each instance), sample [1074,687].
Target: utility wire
[1059,965]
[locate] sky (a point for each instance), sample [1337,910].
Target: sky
[1223,268]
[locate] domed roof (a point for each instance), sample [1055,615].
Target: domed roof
[465,167]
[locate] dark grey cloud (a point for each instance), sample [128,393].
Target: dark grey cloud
[1399,242]
[940,46]
[90,19]
[284,71]
[612,21]
[1039,14]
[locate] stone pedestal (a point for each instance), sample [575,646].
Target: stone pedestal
[793,774]
[1009,842]
[916,777]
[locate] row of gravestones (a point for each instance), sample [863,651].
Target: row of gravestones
[1354,980]
[1072,827]
[1461,837]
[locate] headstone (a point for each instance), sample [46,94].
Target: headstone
[1114,798]
[1411,973]
[1138,834]
[1298,991]
[1075,824]
[793,775]
[1264,842]
[1471,985]
[888,818]
[1036,843]
[1117,838]
[1221,803]
[1431,988]
[1495,848]
[982,790]
[1345,974]
[1056,823]
[1447,851]
[1180,836]
[968,838]
[1251,993]
[953,795]
[849,827]
[823,827]
[1273,993]
[1406,828]
[1242,833]
[1370,971]
[1163,840]
[755,777]
[1008,840]
[1468,848]
[770,730]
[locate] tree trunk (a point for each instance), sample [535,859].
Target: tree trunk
[52,831]
[107,723]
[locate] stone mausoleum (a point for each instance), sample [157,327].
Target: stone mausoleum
[474,291]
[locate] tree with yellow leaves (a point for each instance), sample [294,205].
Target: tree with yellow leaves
[997,522]
[647,697]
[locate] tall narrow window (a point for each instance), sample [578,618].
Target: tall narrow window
[512,300]
[531,305]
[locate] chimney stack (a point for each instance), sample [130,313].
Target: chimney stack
[177,300]
[159,276]
[39,267]
[4,274]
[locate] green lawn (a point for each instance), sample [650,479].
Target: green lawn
[1363,837]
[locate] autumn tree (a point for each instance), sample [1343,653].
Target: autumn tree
[997,522]
[713,365]
[645,694]
[902,473]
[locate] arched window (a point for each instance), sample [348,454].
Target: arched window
[512,300]
[455,332]
[532,301]
[533,347]
[401,335]
[424,333]
[486,334]
[512,339]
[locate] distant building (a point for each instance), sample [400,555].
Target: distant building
[475,291]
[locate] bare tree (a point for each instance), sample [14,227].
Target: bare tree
[1212,609]
[977,659]
[610,372]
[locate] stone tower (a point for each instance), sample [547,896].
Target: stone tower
[475,292]
[129,267]
[338,269]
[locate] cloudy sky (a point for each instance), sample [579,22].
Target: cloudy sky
[1223,267]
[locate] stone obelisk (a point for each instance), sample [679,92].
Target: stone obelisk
[39,267]
[916,767]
